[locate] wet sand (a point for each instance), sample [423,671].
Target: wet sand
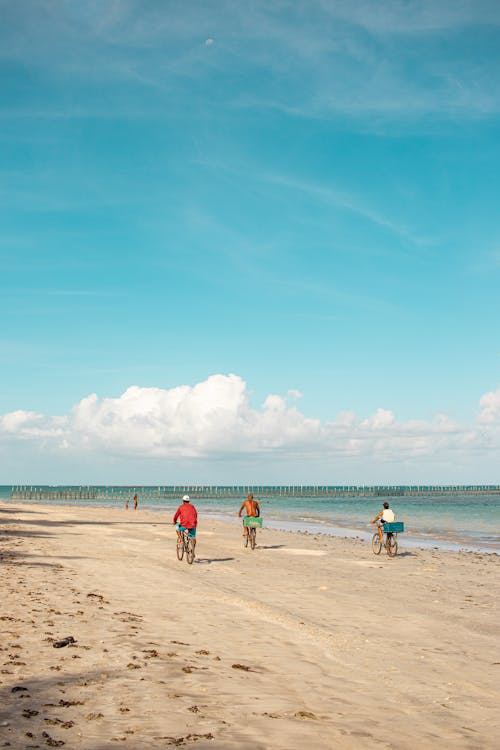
[303,642]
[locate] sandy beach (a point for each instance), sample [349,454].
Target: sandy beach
[305,642]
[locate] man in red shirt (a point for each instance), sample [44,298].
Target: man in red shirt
[187,519]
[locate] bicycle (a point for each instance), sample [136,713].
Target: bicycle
[251,524]
[390,534]
[187,546]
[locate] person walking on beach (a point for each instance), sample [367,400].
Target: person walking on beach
[187,518]
[252,508]
[126,504]
[383,516]
[135,501]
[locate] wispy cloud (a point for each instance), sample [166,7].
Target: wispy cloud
[344,201]
[409,17]
[313,59]
[329,195]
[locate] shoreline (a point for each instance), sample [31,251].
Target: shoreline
[306,641]
[308,526]
[411,541]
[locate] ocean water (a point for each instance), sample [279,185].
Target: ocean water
[453,521]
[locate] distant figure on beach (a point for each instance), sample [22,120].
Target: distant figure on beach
[186,518]
[135,501]
[126,504]
[252,508]
[386,515]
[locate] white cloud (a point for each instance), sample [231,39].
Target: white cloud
[380,420]
[29,425]
[490,408]
[215,419]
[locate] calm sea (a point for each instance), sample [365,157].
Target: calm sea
[447,521]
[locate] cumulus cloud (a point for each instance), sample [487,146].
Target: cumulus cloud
[215,418]
[26,425]
[490,408]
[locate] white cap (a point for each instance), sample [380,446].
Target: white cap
[186,498]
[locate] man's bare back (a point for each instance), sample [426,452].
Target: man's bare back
[251,506]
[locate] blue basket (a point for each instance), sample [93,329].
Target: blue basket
[396,527]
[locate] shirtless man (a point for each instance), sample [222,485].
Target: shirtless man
[386,514]
[252,508]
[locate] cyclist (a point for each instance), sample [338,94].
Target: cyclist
[187,519]
[383,516]
[252,508]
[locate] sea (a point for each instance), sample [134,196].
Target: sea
[453,521]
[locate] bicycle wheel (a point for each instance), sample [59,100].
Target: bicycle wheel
[189,551]
[253,538]
[180,550]
[376,544]
[392,545]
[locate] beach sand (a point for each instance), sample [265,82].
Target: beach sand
[306,642]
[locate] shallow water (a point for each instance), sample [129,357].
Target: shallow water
[449,521]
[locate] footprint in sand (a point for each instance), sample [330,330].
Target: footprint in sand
[51,742]
[187,739]
[29,713]
[305,715]
[151,653]
[60,723]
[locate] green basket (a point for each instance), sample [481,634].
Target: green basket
[253,522]
[396,527]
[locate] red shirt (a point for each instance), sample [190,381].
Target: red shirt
[187,515]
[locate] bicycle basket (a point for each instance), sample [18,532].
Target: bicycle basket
[396,527]
[253,522]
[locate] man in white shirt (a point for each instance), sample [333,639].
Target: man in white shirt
[385,515]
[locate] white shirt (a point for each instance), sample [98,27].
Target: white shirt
[388,515]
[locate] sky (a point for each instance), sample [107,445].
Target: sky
[249,243]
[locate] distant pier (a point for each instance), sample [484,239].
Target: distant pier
[174,492]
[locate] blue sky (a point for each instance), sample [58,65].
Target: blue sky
[303,194]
